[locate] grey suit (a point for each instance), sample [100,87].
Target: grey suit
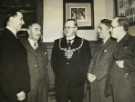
[99,67]
[37,61]
[122,80]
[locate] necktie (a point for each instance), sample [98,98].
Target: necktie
[69,43]
[35,45]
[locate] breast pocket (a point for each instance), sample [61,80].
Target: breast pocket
[123,52]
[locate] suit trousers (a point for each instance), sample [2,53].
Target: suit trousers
[67,92]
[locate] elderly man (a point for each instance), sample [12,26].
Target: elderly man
[38,62]
[14,72]
[122,73]
[70,60]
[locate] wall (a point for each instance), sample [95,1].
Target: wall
[53,19]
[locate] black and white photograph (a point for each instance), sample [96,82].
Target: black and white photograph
[67,50]
[78,13]
[81,12]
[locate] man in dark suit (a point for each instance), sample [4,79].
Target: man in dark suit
[70,59]
[122,73]
[101,62]
[14,73]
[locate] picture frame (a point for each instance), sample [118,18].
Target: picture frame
[126,8]
[82,12]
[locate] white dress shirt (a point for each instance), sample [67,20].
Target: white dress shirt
[33,43]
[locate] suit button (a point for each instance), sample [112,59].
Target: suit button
[67,62]
[45,53]
[125,75]
[105,51]
[35,65]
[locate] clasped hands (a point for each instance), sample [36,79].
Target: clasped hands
[91,77]
[120,63]
[21,96]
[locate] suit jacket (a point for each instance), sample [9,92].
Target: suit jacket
[99,67]
[38,62]
[125,51]
[72,71]
[14,73]
[102,59]
[122,80]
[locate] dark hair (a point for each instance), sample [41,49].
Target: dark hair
[11,13]
[33,22]
[123,21]
[107,22]
[74,20]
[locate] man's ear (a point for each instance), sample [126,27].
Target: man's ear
[10,18]
[76,28]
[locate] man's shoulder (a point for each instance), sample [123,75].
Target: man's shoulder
[85,41]
[131,38]
[2,31]
[4,36]
[5,33]
[57,40]
[80,38]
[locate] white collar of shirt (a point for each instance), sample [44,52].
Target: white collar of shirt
[105,40]
[70,38]
[32,42]
[120,37]
[12,30]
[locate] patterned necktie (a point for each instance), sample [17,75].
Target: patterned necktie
[35,45]
[69,43]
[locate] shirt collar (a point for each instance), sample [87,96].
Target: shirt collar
[70,38]
[32,42]
[105,40]
[121,37]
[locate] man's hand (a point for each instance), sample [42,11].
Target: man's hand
[91,77]
[21,96]
[120,63]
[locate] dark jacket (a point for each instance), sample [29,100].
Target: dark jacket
[103,58]
[72,70]
[122,80]
[14,73]
[99,66]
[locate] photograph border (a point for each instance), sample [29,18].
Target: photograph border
[88,22]
[125,8]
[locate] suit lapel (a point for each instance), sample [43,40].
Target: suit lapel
[64,43]
[76,43]
[29,48]
[103,49]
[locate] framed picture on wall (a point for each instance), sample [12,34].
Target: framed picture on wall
[126,8]
[82,12]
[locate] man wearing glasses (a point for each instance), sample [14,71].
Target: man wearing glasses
[70,60]
[122,73]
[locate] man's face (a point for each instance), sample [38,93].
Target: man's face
[17,21]
[103,30]
[35,32]
[116,29]
[70,29]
